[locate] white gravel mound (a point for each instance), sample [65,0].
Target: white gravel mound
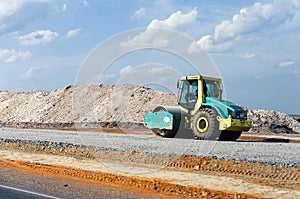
[272,121]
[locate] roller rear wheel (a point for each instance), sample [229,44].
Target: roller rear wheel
[205,125]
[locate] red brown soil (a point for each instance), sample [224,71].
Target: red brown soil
[266,139]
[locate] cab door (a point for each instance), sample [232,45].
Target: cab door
[188,93]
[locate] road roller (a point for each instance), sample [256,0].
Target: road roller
[201,111]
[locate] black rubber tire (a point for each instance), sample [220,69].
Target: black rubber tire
[205,125]
[230,135]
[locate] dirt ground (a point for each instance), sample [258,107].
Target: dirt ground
[182,177]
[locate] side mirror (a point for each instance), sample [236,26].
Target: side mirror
[178,84]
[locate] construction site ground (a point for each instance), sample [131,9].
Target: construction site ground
[185,177]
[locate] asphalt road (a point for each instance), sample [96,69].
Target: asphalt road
[12,192]
[283,154]
[17,185]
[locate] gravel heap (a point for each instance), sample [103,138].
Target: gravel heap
[107,106]
[272,121]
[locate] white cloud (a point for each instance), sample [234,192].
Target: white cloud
[256,18]
[286,64]
[38,37]
[9,7]
[69,5]
[297,72]
[250,20]
[16,14]
[208,43]
[177,21]
[139,13]
[32,72]
[158,70]
[126,70]
[72,33]
[64,7]
[249,56]
[152,35]
[14,55]
[85,3]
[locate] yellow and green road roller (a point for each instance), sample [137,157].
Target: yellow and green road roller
[202,110]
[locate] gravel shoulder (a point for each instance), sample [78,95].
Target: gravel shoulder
[280,154]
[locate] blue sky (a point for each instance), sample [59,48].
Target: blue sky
[255,44]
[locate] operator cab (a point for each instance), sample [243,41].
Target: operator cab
[188,93]
[211,89]
[195,89]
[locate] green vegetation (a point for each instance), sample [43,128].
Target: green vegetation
[296,117]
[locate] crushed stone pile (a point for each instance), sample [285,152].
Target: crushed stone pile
[93,104]
[272,121]
[99,105]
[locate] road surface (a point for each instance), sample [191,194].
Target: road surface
[17,185]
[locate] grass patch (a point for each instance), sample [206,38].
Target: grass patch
[296,117]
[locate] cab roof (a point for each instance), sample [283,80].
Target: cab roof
[199,77]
